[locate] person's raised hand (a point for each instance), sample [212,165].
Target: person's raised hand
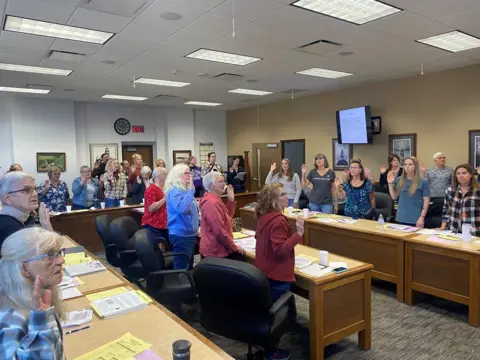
[230,193]
[44,217]
[390,177]
[304,168]
[41,301]
[273,166]
[299,224]
[383,169]
[82,180]
[46,186]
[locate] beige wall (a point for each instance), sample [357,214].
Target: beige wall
[440,108]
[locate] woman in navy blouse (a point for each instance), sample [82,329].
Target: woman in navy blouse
[54,192]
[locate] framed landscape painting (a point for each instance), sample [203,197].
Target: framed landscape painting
[403,145]
[46,160]
[474,148]
[341,154]
[180,155]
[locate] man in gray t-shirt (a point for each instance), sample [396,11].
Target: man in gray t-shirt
[439,177]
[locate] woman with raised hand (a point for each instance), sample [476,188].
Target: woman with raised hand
[85,189]
[141,184]
[54,192]
[115,184]
[182,213]
[412,192]
[393,166]
[289,180]
[322,179]
[30,304]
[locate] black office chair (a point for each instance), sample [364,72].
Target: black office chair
[102,224]
[122,230]
[434,214]
[169,287]
[236,303]
[384,205]
[380,188]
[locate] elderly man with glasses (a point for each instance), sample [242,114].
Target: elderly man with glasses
[18,194]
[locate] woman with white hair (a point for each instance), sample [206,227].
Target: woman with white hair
[439,177]
[182,214]
[85,189]
[18,194]
[141,184]
[217,234]
[30,304]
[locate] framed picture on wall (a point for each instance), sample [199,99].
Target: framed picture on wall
[46,160]
[376,125]
[180,155]
[474,148]
[403,145]
[341,155]
[96,151]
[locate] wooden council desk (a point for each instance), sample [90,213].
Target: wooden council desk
[340,304]
[363,241]
[153,324]
[445,268]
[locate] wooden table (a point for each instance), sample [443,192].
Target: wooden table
[154,324]
[340,304]
[242,199]
[363,241]
[444,268]
[80,225]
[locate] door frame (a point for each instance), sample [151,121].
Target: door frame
[153,144]
[294,140]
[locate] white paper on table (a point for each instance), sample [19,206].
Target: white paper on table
[84,268]
[68,282]
[428,232]
[404,228]
[77,318]
[247,244]
[348,221]
[337,264]
[118,304]
[248,232]
[301,262]
[70,293]
[316,270]
[326,220]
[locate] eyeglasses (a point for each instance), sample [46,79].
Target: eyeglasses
[56,174]
[283,194]
[187,173]
[52,256]
[27,190]
[354,167]
[85,171]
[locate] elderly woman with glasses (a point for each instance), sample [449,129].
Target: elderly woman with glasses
[54,192]
[155,210]
[85,189]
[19,197]
[30,304]
[182,213]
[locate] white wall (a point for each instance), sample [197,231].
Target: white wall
[6,148]
[212,126]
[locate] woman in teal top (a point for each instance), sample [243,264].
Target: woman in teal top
[412,192]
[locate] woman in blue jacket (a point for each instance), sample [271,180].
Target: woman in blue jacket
[85,189]
[182,211]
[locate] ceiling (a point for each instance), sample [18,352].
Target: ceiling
[145,45]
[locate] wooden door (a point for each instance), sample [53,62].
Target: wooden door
[145,150]
[263,154]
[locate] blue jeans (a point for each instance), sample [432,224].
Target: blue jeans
[325,208]
[183,244]
[159,233]
[278,288]
[290,202]
[110,203]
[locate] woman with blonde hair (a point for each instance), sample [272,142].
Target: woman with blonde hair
[115,184]
[30,304]
[182,211]
[160,163]
[289,180]
[322,179]
[54,192]
[412,192]
[135,171]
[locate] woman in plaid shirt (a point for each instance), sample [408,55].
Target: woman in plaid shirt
[30,304]
[115,184]
[462,201]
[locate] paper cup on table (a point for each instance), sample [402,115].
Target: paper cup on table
[290,210]
[69,208]
[305,213]
[143,201]
[466,233]
[102,205]
[122,202]
[323,257]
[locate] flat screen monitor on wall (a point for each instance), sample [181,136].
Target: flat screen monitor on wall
[354,126]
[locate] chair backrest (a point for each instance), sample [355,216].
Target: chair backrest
[383,204]
[224,284]
[148,252]
[102,224]
[122,230]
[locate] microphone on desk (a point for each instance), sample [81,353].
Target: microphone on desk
[181,350]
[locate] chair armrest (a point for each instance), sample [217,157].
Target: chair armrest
[281,301]
[128,257]
[172,254]
[174,272]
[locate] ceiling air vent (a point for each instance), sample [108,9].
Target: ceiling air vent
[40,87]
[165,97]
[227,77]
[319,47]
[67,56]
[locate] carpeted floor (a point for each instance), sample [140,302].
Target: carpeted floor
[432,329]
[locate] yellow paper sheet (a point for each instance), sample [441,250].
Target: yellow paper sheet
[145,298]
[107,293]
[447,237]
[76,258]
[238,235]
[124,348]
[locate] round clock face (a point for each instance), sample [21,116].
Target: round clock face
[122,126]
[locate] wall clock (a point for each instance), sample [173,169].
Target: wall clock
[122,126]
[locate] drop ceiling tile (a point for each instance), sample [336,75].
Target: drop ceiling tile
[75,46]
[150,30]
[466,21]
[204,5]
[98,20]
[129,8]
[27,41]
[250,10]
[40,10]
[65,2]
[13,56]
[438,9]
[153,12]
[216,24]
[60,64]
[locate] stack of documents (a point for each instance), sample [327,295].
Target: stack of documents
[303,261]
[68,288]
[77,318]
[248,232]
[247,244]
[84,268]
[118,301]
[316,270]
[399,227]
[126,347]
[76,258]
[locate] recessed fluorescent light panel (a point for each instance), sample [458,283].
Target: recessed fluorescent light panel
[202,103]
[250,92]
[34,69]
[161,82]
[24,90]
[453,41]
[222,57]
[325,73]
[43,28]
[355,11]
[122,97]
